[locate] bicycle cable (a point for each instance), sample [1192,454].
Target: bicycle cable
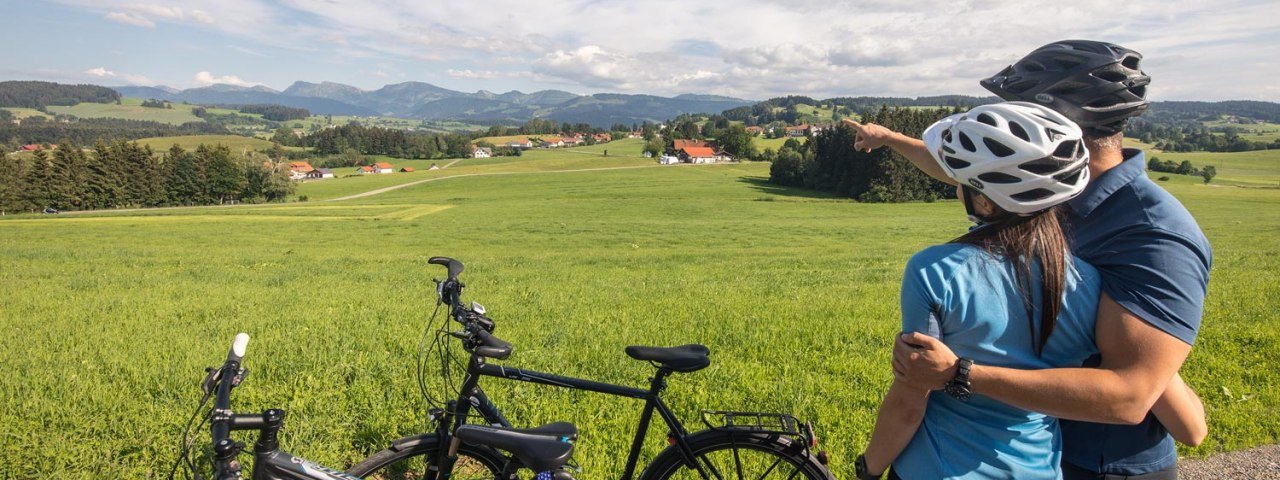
[184,454]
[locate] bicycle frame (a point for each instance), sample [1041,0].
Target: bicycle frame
[473,396]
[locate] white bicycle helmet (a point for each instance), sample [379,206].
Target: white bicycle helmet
[1022,156]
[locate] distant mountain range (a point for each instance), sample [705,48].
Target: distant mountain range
[425,101]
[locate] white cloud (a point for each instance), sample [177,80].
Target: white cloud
[104,73]
[130,19]
[206,78]
[481,74]
[100,72]
[748,48]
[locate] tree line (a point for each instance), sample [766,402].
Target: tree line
[121,174]
[379,141]
[829,163]
[1185,167]
[86,131]
[278,113]
[31,94]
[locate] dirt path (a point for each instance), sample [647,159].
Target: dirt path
[410,184]
[1261,463]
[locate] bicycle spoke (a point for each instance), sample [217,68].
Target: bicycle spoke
[770,469]
[711,467]
[737,460]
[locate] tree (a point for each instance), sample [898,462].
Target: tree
[1184,168]
[186,178]
[737,141]
[224,177]
[10,183]
[1208,172]
[40,184]
[265,184]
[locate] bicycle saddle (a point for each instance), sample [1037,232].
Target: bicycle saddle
[540,449]
[684,358]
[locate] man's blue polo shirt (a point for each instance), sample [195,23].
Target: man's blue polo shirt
[1154,261]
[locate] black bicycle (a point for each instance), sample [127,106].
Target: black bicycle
[545,449]
[736,445]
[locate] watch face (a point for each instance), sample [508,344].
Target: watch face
[959,392]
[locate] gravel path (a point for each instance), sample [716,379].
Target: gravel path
[1262,463]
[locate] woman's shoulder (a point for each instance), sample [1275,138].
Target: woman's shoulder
[947,254]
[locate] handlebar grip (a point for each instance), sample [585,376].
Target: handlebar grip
[491,346]
[238,347]
[455,267]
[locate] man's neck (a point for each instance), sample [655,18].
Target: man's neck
[1104,155]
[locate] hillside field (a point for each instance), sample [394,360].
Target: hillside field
[113,316]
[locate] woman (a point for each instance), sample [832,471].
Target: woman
[1007,293]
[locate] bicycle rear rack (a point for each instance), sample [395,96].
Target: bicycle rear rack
[779,423]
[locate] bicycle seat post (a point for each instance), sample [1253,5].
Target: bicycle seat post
[659,381]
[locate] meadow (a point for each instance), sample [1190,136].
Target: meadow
[132,109]
[113,316]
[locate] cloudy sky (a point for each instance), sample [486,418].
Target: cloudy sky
[755,49]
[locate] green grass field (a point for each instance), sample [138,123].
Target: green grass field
[190,142]
[774,143]
[21,113]
[112,316]
[131,109]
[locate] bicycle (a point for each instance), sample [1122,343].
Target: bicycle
[764,443]
[544,449]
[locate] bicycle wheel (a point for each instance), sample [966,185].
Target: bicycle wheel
[738,455]
[410,457]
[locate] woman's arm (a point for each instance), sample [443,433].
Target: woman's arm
[899,417]
[1180,411]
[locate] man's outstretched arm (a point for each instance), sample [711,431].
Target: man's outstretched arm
[1137,362]
[871,136]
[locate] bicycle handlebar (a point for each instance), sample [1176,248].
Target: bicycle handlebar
[455,267]
[238,347]
[490,346]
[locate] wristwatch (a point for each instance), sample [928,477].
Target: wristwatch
[860,469]
[958,387]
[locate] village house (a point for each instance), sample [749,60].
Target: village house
[521,143]
[31,147]
[636,134]
[602,137]
[697,155]
[320,173]
[798,131]
[680,144]
[552,142]
[481,152]
[365,170]
[299,170]
[755,130]
[406,170]
[572,141]
[668,160]
[383,167]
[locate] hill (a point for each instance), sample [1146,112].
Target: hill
[419,100]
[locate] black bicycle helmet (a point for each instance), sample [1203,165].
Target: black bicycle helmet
[1098,85]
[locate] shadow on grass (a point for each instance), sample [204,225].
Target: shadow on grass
[762,185]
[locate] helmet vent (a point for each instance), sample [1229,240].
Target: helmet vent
[956,163]
[946,135]
[1067,89]
[1044,166]
[998,177]
[1067,150]
[1067,63]
[1033,67]
[1111,75]
[1139,91]
[1018,131]
[987,119]
[997,148]
[1032,195]
[1105,102]
[948,149]
[1130,61]
[1019,86]
[967,143]
[1070,178]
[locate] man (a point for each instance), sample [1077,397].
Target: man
[1152,256]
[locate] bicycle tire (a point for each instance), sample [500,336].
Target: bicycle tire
[722,452]
[409,457]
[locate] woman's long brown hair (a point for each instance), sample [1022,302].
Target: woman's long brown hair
[1028,241]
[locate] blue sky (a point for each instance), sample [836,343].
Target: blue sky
[751,48]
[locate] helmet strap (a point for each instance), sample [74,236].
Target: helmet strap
[966,197]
